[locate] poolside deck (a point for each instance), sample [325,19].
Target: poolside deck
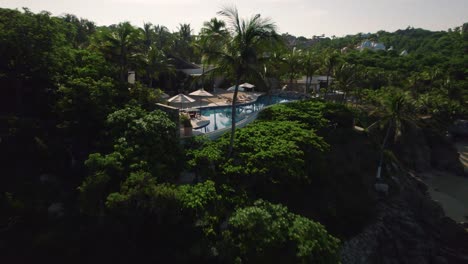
[219,99]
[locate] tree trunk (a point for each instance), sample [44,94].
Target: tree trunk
[291,77]
[308,81]
[203,76]
[148,75]
[233,116]
[122,74]
[328,82]
[379,169]
[19,95]
[345,94]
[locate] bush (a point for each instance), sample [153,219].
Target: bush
[268,157]
[269,233]
[312,113]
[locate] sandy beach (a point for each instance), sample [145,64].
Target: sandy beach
[449,190]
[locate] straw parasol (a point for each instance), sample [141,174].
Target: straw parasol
[232,88]
[242,87]
[202,93]
[181,98]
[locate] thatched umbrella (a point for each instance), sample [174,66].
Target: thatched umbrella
[202,93]
[181,98]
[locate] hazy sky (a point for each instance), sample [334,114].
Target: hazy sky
[298,17]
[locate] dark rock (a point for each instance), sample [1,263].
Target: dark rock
[413,150]
[422,148]
[409,228]
[444,155]
[440,260]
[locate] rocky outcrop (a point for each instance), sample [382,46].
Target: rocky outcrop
[413,150]
[409,228]
[444,155]
[422,148]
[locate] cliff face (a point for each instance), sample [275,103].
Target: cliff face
[409,228]
[423,148]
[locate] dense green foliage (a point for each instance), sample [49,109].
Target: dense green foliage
[92,172]
[289,156]
[314,114]
[267,233]
[269,158]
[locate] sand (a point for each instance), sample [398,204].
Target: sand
[449,190]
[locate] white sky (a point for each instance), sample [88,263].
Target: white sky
[297,17]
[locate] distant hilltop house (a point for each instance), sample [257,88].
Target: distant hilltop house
[300,42]
[371,45]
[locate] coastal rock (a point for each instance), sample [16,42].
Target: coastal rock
[409,228]
[413,150]
[444,155]
[422,149]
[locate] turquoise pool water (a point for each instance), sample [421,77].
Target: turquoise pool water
[220,117]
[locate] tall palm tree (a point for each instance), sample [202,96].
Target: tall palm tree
[214,32]
[156,62]
[330,61]
[163,38]
[119,44]
[310,65]
[293,61]
[152,60]
[184,41]
[241,55]
[273,67]
[148,36]
[360,74]
[395,111]
[345,77]
[212,37]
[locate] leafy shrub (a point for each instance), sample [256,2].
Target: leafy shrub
[269,233]
[267,156]
[314,114]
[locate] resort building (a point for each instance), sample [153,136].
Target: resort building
[371,45]
[317,82]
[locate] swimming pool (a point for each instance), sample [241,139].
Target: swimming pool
[220,117]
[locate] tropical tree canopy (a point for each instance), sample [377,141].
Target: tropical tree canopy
[241,56]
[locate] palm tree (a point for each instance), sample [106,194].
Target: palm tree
[212,37]
[240,56]
[152,59]
[360,74]
[330,61]
[273,68]
[214,32]
[345,76]
[310,65]
[148,36]
[395,111]
[293,62]
[163,38]
[183,42]
[119,44]
[156,62]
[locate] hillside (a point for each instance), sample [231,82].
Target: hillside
[94,171]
